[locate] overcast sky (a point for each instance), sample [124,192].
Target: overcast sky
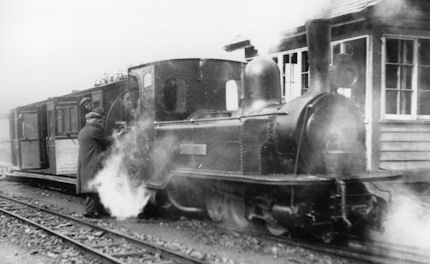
[51,47]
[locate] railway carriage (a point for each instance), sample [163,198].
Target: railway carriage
[44,134]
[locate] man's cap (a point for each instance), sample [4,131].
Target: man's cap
[91,115]
[85,99]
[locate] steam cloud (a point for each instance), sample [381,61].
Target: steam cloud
[131,161]
[6,168]
[408,220]
[389,9]
[119,184]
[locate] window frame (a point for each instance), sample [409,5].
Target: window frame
[414,115]
[181,96]
[67,116]
[289,94]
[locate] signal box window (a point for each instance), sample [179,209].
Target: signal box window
[407,77]
[295,74]
[67,120]
[175,95]
[398,76]
[424,80]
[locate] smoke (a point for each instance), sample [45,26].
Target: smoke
[388,10]
[120,184]
[131,162]
[6,168]
[267,32]
[408,220]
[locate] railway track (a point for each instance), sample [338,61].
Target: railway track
[375,252]
[105,245]
[112,247]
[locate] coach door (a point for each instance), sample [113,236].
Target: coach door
[66,135]
[29,139]
[13,126]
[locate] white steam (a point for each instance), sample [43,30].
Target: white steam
[408,220]
[6,168]
[131,161]
[120,183]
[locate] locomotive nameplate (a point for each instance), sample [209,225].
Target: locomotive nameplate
[192,149]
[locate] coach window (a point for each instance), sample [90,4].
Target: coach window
[67,120]
[175,95]
[29,125]
[232,95]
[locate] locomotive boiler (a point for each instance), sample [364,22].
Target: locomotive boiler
[221,142]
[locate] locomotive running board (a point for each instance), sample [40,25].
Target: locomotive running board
[273,179]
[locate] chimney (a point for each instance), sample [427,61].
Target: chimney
[318,34]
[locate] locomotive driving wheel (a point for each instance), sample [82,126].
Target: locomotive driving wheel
[327,234]
[237,210]
[276,229]
[217,207]
[228,209]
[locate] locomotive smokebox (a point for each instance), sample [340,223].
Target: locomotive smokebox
[318,33]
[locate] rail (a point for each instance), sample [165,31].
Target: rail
[111,246]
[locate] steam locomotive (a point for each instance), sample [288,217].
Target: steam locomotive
[216,138]
[221,142]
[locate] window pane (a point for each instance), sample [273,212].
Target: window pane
[181,100]
[406,77]
[424,103]
[305,81]
[405,102]
[147,80]
[29,125]
[391,76]
[336,49]
[232,95]
[283,86]
[60,121]
[392,50]
[305,62]
[286,61]
[391,102]
[74,118]
[406,51]
[175,95]
[294,58]
[170,94]
[66,119]
[424,52]
[424,78]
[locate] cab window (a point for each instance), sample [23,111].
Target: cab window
[232,95]
[175,95]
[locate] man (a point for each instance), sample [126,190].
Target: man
[92,145]
[130,107]
[85,106]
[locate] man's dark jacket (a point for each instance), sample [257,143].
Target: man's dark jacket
[92,145]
